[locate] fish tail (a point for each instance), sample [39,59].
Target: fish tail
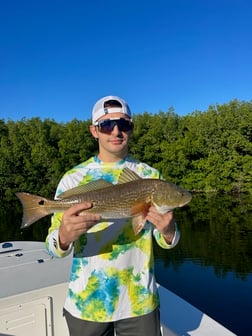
[33,208]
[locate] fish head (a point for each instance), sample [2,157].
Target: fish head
[168,196]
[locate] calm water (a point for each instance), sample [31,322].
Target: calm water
[212,265]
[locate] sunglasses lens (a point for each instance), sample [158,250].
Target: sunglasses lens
[107,125]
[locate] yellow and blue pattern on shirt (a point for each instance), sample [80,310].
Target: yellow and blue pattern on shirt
[112,274]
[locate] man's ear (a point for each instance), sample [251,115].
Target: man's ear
[93,131]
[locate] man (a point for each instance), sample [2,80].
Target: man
[112,285]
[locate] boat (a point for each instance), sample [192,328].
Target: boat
[34,286]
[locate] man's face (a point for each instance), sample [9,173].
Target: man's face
[113,134]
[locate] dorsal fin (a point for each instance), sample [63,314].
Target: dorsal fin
[128,175]
[84,188]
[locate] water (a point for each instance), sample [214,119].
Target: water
[226,299]
[212,265]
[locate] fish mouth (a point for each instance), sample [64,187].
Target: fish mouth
[183,204]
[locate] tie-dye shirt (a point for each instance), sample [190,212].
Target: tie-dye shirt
[112,274]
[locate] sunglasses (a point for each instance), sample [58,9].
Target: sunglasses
[107,125]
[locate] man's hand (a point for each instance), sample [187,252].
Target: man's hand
[165,223]
[75,222]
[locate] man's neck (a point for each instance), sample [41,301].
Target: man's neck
[110,158]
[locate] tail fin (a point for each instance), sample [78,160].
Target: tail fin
[33,208]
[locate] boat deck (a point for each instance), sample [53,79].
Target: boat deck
[33,290]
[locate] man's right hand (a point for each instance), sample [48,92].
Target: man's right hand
[75,222]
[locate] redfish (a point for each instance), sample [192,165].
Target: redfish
[130,197]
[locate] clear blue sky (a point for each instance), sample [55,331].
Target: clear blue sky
[57,57]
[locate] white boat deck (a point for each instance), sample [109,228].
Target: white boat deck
[33,288]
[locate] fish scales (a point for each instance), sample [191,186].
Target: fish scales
[131,197]
[115,200]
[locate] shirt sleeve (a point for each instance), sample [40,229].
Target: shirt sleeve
[52,239]
[161,240]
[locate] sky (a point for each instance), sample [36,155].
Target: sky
[58,57]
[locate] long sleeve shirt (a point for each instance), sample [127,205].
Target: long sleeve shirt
[112,275]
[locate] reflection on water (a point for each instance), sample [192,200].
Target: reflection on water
[217,231]
[212,265]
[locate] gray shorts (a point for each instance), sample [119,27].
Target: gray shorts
[148,324]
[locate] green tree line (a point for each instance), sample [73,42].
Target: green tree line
[201,151]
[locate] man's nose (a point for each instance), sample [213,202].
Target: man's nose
[116,130]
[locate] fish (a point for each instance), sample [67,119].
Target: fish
[131,197]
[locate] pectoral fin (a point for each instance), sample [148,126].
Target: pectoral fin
[139,208]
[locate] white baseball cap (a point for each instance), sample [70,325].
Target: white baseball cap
[100,110]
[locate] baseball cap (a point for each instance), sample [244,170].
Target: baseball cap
[100,110]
